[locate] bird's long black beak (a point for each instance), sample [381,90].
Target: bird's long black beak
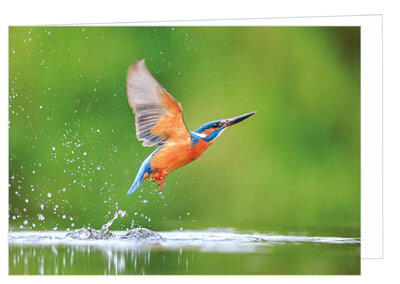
[239,118]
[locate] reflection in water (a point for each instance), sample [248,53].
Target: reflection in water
[88,260]
[190,252]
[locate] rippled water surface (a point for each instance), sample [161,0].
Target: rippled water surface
[214,251]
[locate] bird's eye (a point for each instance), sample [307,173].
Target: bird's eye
[215,125]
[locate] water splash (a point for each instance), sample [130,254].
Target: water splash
[89,234]
[104,233]
[109,223]
[93,234]
[143,233]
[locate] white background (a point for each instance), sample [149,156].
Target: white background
[79,12]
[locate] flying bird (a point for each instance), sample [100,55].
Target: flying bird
[159,122]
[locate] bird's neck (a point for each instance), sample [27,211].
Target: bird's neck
[205,136]
[199,143]
[208,135]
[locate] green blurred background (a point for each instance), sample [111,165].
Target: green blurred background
[294,167]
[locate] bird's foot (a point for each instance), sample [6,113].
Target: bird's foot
[160,178]
[161,185]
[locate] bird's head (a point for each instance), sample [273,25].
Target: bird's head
[211,130]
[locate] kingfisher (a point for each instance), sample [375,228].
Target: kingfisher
[159,122]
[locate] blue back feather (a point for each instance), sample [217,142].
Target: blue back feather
[144,168]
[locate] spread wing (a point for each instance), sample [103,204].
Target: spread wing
[158,114]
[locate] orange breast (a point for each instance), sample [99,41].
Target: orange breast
[175,154]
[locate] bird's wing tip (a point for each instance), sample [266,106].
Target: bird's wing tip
[137,64]
[141,61]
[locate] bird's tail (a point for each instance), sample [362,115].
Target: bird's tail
[144,168]
[136,183]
